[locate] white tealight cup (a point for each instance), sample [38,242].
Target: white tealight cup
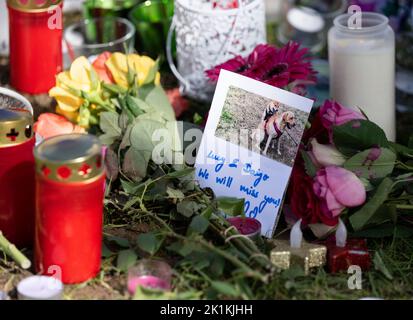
[40,288]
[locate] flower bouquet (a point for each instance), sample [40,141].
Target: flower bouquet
[347,168]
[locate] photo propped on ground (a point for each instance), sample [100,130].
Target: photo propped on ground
[242,116]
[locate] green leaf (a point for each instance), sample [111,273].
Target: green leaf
[358,135]
[135,164]
[198,225]
[121,242]
[141,134]
[361,218]
[410,143]
[84,116]
[111,164]
[148,242]
[130,187]
[188,208]
[402,150]
[380,265]
[114,88]
[225,288]
[109,124]
[184,248]
[126,259]
[106,252]
[310,168]
[157,98]
[174,193]
[368,167]
[181,173]
[385,230]
[231,206]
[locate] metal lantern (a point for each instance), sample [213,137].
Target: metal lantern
[207,36]
[70,180]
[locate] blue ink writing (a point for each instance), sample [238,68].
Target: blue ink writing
[219,159]
[227,181]
[203,174]
[249,191]
[260,176]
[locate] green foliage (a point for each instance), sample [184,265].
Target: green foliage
[358,135]
[379,167]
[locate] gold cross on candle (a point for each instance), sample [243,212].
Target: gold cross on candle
[295,251]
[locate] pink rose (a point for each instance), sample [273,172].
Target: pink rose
[50,125]
[323,155]
[334,114]
[338,188]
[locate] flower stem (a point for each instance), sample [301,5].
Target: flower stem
[14,253]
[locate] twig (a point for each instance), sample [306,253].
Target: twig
[14,253]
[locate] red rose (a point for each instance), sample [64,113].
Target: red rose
[316,131]
[303,202]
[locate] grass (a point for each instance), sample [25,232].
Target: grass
[397,256]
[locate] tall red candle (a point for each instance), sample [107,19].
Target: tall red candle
[35,44]
[17,177]
[69,206]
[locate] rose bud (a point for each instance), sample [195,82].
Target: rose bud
[325,155]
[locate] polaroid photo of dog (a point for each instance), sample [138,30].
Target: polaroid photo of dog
[249,144]
[276,129]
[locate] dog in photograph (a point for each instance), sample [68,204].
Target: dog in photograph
[272,126]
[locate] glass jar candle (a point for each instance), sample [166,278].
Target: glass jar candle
[35,44]
[362,68]
[17,177]
[70,181]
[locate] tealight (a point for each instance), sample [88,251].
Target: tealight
[40,288]
[249,227]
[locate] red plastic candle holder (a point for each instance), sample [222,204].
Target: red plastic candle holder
[17,177]
[355,252]
[35,44]
[249,227]
[70,182]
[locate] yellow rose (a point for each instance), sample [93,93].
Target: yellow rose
[118,67]
[78,78]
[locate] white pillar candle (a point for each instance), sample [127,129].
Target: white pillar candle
[40,288]
[362,68]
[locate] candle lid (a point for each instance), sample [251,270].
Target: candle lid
[32,5]
[15,127]
[70,158]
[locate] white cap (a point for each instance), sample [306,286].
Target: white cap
[305,19]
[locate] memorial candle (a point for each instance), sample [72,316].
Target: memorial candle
[17,177]
[343,253]
[70,182]
[150,274]
[35,44]
[249,227]
[362,67]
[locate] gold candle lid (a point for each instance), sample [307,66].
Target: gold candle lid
[32,5]
[70,158]
[15,127]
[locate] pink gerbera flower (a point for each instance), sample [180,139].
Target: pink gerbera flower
[237,65]
[289,66]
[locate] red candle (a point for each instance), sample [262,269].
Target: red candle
[35,44]
[17,177]
[70,182]
[249,227]
[355,252]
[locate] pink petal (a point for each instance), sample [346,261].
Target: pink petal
[346,187]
